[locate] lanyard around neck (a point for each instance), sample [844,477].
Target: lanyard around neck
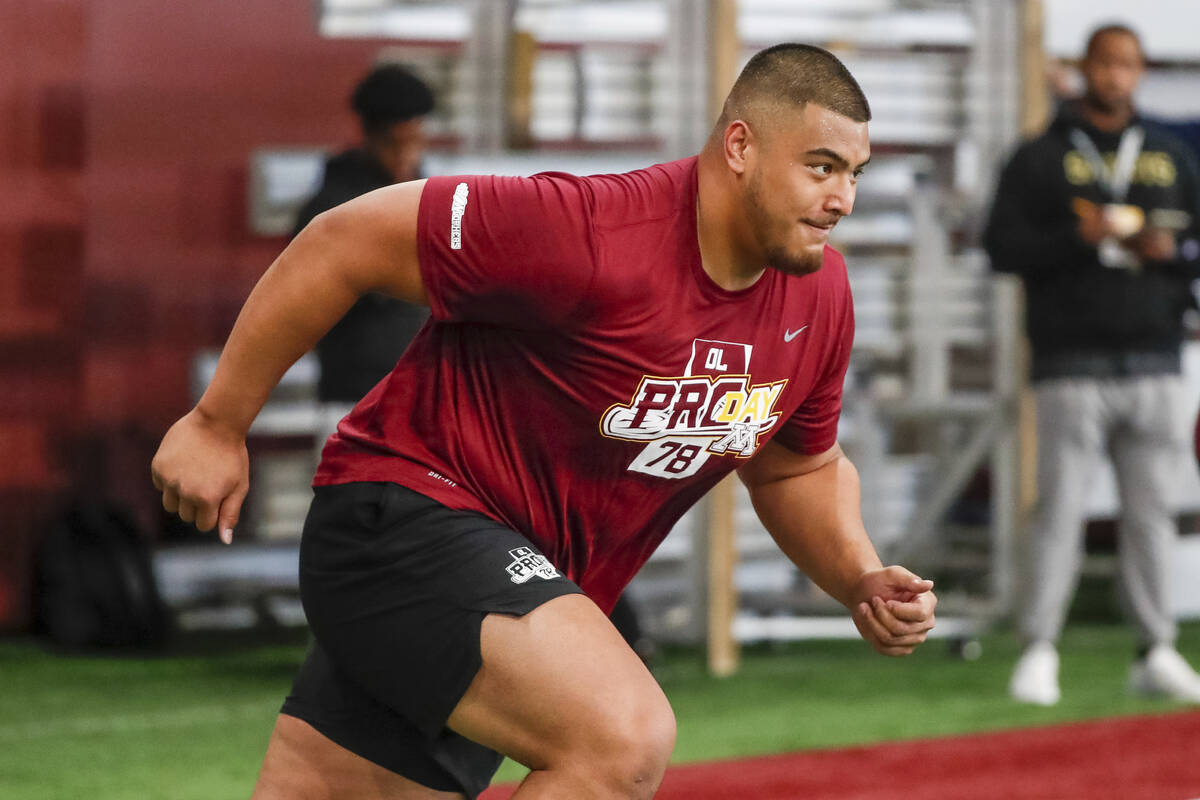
[1115,181]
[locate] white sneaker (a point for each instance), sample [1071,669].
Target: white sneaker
[1164,673]
[1035,679]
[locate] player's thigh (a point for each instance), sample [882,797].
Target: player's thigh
[1150,451]
[302,764]
[559,682]
[1072,417]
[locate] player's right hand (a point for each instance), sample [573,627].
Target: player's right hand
[202,470]
[1154,244]
[893,609]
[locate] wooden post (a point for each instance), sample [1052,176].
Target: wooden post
[1035,113]
[522,54]
[1035,95]
[724,655]
[725,46]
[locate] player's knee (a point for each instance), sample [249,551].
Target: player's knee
[278,783]
[287,763]
[633,753]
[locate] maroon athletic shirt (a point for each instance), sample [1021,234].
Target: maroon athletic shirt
[582,380]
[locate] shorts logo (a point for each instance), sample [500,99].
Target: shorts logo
[528,563]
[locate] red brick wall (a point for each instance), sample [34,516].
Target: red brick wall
[126,128]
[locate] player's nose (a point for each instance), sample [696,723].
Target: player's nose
[840,200]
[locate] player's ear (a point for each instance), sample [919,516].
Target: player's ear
[739,142]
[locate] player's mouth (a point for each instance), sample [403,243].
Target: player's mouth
[822,227]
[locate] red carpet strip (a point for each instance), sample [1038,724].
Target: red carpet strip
[1131,758]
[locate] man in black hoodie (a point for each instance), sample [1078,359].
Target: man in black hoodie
[391,104]
[1098,216]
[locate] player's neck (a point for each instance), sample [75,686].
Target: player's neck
[1112,119]
[723,258]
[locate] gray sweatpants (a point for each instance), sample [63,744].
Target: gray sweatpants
[1139,423]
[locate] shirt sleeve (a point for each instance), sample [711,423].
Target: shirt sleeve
[813,427]
[511,251]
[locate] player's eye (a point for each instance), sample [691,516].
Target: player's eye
[858,173]
[822,169]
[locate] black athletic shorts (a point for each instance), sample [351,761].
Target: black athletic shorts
[395,587]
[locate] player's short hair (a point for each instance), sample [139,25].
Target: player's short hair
[794,75]
[390,93]
[1118,28]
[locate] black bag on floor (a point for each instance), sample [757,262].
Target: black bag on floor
[94,581]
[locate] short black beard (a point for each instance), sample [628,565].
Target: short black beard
[1104,107]
[804,263]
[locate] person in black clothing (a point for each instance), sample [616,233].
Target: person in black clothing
[1098,218]
[391,104]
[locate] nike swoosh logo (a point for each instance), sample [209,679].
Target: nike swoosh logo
[789,335]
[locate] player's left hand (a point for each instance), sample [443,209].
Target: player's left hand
[893,609]
[1154,244]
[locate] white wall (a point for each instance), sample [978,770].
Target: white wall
[1168,27]
[1169,33]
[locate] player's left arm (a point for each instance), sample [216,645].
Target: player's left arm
[811,506]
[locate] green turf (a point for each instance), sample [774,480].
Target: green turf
[183,726]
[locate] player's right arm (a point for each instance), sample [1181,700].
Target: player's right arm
[368,244]
[809,503]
